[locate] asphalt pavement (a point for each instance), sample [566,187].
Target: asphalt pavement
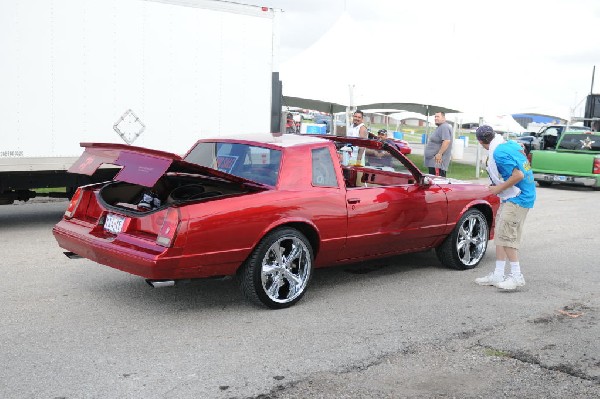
[403,327]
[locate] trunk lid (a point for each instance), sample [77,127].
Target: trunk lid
[139,165]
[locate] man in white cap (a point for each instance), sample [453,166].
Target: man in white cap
[512,181]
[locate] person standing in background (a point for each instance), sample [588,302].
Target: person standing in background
[438,150]
[358,129]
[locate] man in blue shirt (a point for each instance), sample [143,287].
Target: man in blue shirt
[516,188]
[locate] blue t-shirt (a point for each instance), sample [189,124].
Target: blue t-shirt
[509,156]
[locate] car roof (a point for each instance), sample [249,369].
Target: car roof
[271,139]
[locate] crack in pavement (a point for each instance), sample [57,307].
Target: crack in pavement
[432,365]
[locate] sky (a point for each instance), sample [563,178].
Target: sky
[478,57]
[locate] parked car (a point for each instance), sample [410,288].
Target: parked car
[402,145]
[267,209]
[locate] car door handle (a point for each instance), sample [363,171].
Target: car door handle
[353,200]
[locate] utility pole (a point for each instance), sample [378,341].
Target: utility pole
[593,74]
[350,108]
[478,153]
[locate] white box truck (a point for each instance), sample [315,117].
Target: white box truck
[152,73]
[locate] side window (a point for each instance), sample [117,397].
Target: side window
[323,172]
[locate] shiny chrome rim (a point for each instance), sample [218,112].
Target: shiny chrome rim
[472,239]
[285,269]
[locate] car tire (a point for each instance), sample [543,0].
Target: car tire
[542,183]
[464,248]
[279,269]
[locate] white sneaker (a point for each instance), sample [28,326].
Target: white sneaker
[490,279]
[511,282]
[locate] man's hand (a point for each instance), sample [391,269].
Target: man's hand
[494,189]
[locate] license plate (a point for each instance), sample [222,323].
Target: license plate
[560,178]
[114,223]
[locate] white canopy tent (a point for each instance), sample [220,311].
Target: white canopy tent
[336,72]
[400,116]
[504,124]
[500,123]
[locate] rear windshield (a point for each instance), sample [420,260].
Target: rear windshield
[583,142]
[254,163]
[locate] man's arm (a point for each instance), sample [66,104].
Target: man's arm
[443,148]
[514,178]
[363,134]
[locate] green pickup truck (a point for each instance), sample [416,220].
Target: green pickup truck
[575,161]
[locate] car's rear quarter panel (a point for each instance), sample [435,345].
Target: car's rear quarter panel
[225,232]
[462,197]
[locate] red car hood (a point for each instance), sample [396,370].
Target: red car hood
[141,166]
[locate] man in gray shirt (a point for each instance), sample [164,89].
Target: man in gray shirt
[438,150]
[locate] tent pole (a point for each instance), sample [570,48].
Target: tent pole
[332,124]
[427,125]
[350,109]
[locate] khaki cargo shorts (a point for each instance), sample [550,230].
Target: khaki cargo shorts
[509,226]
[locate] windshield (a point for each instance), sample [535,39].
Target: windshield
[584,142]
[254,163]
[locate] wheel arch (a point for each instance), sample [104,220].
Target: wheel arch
[483,207]
[459,250]
[309,231]
[306,228]
[486,209]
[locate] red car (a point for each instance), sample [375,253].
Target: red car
[268,209]
[403,146]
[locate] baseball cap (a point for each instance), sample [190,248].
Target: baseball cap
[485,133]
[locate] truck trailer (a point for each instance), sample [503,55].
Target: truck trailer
[159,74]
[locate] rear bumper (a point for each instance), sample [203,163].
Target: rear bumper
[567,179]
[129,254]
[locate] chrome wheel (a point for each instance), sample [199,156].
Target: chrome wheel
[285,269]
[466,245]
[472,238]
[279,270]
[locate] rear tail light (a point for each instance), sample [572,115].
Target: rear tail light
[75,200]
[168,230]
[596,170]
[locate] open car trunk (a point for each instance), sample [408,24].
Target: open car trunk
[150,180]
[170,189]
